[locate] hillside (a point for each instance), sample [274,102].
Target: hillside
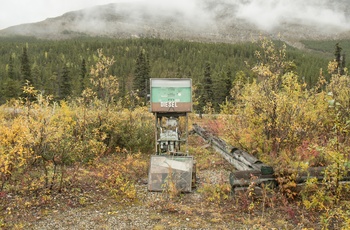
[210,21]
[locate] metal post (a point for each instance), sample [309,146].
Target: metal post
[156,133]
[186,141]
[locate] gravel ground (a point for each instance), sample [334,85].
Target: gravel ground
[150,212]
[133,217]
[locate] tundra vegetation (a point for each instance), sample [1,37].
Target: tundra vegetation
[60,151]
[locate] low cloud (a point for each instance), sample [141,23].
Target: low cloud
[213,16]
[267,15]
[272,14]
[190,13]
[201,15]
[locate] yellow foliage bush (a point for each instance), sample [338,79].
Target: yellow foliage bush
[47,137]
[120,174]
[216,193]
[292,126]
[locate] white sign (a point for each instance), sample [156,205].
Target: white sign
[168,104]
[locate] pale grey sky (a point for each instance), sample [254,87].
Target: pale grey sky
[15,12]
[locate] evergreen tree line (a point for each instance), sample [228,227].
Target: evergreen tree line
[62,68]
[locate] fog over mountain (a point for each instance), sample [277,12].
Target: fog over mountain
[272,14]
[208,20]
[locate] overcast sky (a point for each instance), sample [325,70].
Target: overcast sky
[15,12]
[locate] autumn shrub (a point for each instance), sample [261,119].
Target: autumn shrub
[170,189]
[327,201]
[48,137]
[215,193]
[274,111]
[325,194]
[100,110]
[119,174]
[15,150]
[247,199]
[292,126]
[331,193]
[132,129]
[336,218]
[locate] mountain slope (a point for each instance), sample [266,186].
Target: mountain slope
[216,21]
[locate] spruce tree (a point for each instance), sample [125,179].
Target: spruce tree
[340,59]
[141,75]
[36,77]
[83,74]
[65,84]
[11,71]
[208,83]
[337,53]
[228,83]
[206,88]
[25,67]
[221,89]
[122,87]
[343,65]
